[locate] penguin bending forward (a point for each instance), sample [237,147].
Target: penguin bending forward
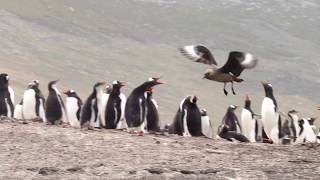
[33,102]
[73,108]
[114,111]
[136,106]
[187,121]
[55,109]
[92,108]
[6,96]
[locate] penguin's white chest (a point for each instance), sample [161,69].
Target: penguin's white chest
[29,104]
[206,127]
[248,125]
[269,117]
[72,109]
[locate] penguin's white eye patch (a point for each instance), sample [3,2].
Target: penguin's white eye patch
[232,106]
[270,85]
[151,79]
[115,82]
[7,77]
[72,91]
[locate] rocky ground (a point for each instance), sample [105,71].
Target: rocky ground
[32,150]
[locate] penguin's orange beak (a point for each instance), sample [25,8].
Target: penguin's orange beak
[158,81]
[122,84]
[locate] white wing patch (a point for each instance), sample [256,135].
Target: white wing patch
[249,61]
[191,52]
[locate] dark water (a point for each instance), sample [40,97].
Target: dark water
[81,42]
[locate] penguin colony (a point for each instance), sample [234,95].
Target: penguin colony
[106,107]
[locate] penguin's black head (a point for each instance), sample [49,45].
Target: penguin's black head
[98,85]
[108,89]
[267,88]
[232,107]
[247,102]
[311,121]
[292,112]
[52,85]
[33,84]
[70,93]
[153,82]
[192,99]
[117,84]
[4,80]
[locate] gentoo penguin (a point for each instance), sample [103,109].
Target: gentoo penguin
[286,132]
[55,109]
[33,102]
[18,111]
[187,121]
[248,122]
[90,111]
[230,72]
[73,108]
[6,96]
[225,133]
[153,123]
[294,124]
[270,117]
[206,126]
[231,120]
[114,111]
[136,108]
[306,133]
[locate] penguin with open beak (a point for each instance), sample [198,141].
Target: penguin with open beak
[136,106]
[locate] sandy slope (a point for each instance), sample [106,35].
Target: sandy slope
[31,150]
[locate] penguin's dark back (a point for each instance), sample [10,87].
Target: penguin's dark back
[86,110]
[3,106]
[132,110]
[152,116]
[53,108]
[175,127]
[194,120]
[113,104]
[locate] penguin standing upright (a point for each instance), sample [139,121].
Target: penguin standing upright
[136,108]
[231,120]
[6,96]
[248,122]
[114,111]
[187,121]
[55,110]
[92,107]
[104,100]
[73,108]
[33,102]
[206,126]
[153,123]
[270,117]
[306,133]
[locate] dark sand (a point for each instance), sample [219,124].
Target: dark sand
[32,150]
